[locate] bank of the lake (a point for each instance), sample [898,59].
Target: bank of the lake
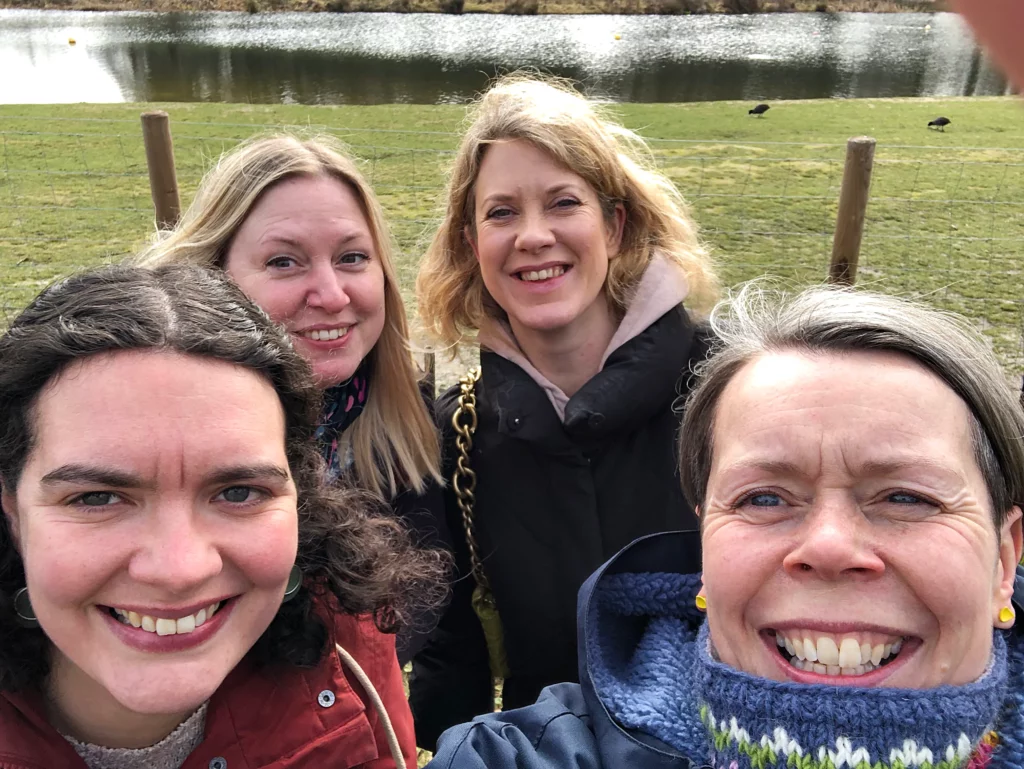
[525,7]
[945,218]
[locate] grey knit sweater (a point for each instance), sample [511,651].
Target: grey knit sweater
[169,753]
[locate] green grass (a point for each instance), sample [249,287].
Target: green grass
[945,221]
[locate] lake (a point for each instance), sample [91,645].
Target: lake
[363,58]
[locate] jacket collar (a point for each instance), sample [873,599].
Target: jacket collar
[638,380]
[673,552]
[243,723]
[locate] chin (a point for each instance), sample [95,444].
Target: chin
[157,701]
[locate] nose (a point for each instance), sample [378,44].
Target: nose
[534,233]
[177,554]
[835,542]
[326,288]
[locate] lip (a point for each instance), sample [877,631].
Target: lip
[144,641]
[169,612]
[324,344]
[541,286]
[874,678]
[322,326]
[539,267]
[836,628]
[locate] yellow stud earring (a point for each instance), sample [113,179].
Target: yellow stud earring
[702,602]
[1006,614]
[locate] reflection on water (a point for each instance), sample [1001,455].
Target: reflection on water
[426,58]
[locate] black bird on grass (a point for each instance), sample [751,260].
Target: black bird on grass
[940,123]
[759,110]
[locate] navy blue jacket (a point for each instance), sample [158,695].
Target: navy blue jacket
[569,727]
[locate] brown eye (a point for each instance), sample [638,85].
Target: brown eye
[96,498]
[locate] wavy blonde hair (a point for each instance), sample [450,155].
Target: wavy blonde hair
[614,161]
[394,443]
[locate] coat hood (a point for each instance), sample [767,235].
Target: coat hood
[607,643]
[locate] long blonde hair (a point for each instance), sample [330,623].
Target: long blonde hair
[394,443]
[616,162]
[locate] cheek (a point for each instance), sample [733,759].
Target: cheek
[67,564]
[266,554]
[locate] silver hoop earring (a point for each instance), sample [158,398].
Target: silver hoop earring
[23,609]
[294,584]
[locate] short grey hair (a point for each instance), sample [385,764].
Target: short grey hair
[758,320]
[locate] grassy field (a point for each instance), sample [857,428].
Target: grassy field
[945,221]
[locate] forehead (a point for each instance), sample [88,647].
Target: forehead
[864,403]
[142,408]
[308,194]
[507,159]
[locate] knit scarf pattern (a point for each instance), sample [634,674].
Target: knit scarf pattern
[670,686]
[342,404]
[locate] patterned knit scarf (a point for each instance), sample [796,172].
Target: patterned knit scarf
[342,404]
[670,686]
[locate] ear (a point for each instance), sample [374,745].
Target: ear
[696,511]
[1010,546]
[468,234]
[615,229]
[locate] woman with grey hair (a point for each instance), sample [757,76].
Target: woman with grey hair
[858,467]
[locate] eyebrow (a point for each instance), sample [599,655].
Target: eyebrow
[236,473]
[499,197]
[871,467]
[104,476]
[97,476]
[295,243]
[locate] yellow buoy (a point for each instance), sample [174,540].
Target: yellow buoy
[618,36]
[71,41]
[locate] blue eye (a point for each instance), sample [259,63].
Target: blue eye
[96,499]
[906,498]
[280,262]
[764,499]
[240,495]
[499,213]
[353,258]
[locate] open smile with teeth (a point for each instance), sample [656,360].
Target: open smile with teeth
[325,334]
[530,276]
[162,626]
[849,654]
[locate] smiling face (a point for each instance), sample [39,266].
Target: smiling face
[139,509]
[846,519]
[542,240]
[306,255]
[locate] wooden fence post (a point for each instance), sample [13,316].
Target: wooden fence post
[853,203]
[163,181]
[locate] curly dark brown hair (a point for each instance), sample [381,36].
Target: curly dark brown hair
[354,561]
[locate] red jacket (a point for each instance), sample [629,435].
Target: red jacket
[262,719]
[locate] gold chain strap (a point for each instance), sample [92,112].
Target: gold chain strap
[464,421]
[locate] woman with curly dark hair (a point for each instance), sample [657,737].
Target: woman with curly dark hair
[178,587]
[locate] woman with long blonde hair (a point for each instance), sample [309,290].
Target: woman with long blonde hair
[567,257]
[293,222]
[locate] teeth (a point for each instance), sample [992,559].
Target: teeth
[326,334]
[550,272]
[828,652]
[837,655]
[849,653]
[162,626]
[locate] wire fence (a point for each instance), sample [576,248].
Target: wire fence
[945,225]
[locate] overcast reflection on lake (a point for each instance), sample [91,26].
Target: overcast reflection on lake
[362,58]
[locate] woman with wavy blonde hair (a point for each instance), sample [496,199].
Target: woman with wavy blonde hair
[568,257]
[293,222]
